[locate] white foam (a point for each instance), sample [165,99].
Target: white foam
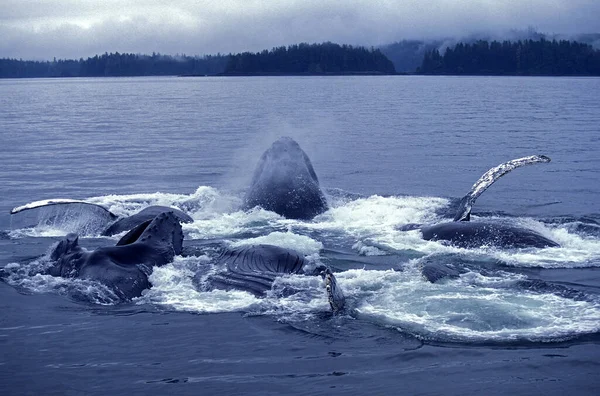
[40,231]
[207,201]
[575,251]
[126,205]
[172,286]
[377,215]
[95,292]
[224,225]
[287,240]
[374,220]
[310,297]
[366,250]
[471,308]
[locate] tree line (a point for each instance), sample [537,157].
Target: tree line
[115,64]
[524,57]
[325,58]
[482,57]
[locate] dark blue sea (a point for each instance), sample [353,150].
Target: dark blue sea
[388,151]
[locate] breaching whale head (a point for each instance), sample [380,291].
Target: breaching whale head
[286,183]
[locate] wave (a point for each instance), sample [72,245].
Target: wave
[28,278]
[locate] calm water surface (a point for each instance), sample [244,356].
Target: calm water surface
[388,151]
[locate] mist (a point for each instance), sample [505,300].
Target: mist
[40,29]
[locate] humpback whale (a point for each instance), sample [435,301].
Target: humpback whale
[465,233]
[107,222]
[253,268]
[286,183]
[124,268]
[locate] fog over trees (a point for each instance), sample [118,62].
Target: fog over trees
[115,64]
[528,57]
[326,58]
[407,55]
[534,56]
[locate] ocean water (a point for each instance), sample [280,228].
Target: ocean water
[388,151]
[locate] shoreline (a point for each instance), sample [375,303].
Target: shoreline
[313,75]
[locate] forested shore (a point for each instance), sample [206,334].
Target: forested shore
[326,58]
[316,59]
[522,57]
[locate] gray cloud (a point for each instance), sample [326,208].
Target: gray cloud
[38,29]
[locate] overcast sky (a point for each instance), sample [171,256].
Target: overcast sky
[42,29]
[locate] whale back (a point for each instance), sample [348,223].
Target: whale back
[478,234]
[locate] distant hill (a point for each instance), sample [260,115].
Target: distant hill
[310,59]
[407,55]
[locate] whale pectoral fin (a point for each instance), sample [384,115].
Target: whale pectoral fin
[335,295]
[488,178]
